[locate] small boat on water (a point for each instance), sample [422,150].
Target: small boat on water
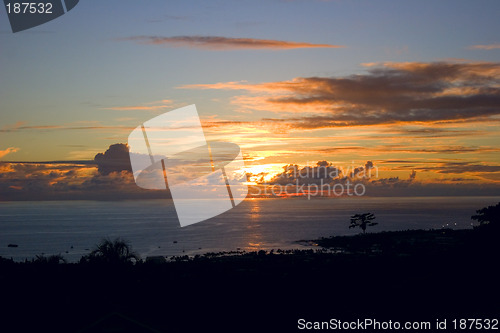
[12,245]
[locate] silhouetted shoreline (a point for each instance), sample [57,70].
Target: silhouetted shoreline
[400,275]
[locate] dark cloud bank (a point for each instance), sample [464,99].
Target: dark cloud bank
[107,177]
[326,174]
[422,93]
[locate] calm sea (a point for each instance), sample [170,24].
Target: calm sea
[72,228]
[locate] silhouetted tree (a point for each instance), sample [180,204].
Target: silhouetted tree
[362,221]
[488,216]
[117,251]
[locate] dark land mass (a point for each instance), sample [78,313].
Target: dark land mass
[399,276]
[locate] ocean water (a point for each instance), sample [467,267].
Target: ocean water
[72,228]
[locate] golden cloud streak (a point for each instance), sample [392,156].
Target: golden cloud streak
[7,151]
[485,47]
[225,43]
[148,107]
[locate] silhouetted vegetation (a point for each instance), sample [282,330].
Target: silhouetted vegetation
[51,260]
[362,221]
[112,252]
[488,216]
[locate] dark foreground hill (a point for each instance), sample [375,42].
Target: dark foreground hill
[398,276]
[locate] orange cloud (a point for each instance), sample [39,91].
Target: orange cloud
[411,92]
[21,127]
[485,47]
[135,108]
[148,107]
[225,43]
[13,127]
[244,85]
[105,177]
[414,150]
[9,150]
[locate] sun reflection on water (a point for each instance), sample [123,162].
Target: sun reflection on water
[253,235]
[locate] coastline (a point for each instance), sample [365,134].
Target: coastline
[71,228]
[452,272]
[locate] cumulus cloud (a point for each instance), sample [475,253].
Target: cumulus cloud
[473,179]
[225,43]
[321,178]
[423,93]
[322,173]
[115,159]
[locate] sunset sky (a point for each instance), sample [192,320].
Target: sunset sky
[413,87]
